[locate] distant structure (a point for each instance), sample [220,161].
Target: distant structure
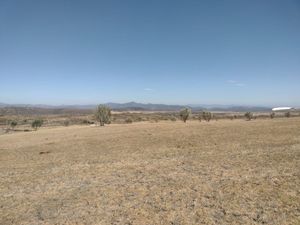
[283,109]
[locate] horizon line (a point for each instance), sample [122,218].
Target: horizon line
[151,103]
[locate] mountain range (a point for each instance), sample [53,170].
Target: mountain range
[134,106]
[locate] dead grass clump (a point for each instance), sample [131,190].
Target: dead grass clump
[287,114]
[128,120]
[66,123]
[173,118]
[86,121]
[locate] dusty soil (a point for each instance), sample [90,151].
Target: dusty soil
[222,172]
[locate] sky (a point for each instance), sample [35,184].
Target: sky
[237,52]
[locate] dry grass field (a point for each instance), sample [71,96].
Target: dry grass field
[222,172]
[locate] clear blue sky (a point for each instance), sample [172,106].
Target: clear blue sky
[159,51]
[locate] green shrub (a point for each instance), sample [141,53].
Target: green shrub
[184,114]
[139,119]
[249,115]
[103,115]
[207,116]
[13,124]
[36,124]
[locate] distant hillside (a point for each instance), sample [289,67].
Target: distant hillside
[27,109]
[3,105]
[133,106]
[241,109]
[144,107]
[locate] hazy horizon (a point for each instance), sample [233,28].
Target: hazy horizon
[160,52]
[154,103]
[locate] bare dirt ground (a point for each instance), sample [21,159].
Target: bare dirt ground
[222,172]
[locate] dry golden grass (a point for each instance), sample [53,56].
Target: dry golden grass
[224,172]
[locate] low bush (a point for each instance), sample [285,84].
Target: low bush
[207,116]
[13,124]
[66,123]
[128,120]
[85,121]
[287,114]
[249,115]
[200,118]
[36,124]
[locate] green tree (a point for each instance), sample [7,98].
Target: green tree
[103,114]
[13,124]
[184,114]
[173,118]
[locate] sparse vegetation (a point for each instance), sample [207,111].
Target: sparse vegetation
[37,124]
[249,116]
[103,115]
[184,114]
[287,114]
[128,120]
[206,116]
[173,118]
[66,123]
[13,124]
[86,121]
[198,174]
[272,115]
[155,120]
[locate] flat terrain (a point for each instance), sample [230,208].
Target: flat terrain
[222,172]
